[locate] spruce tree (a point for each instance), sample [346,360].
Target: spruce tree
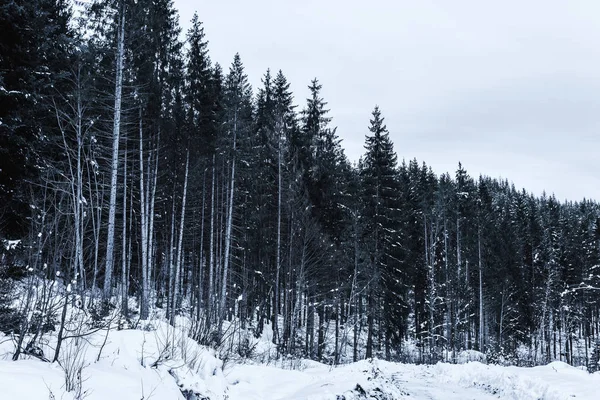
[386,296]
[36,46]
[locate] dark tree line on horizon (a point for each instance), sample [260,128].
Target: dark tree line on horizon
[132,165]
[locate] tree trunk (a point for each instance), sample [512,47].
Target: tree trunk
[278,257]
[144,228]
[178,262]
[171,265]
[370,323]
[112,207]
[201,264]
[481,326]
[228,228]
[211,274]
[124,277]
[150,218]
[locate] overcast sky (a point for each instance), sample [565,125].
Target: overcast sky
[511,89]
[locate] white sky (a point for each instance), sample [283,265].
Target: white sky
[511,89]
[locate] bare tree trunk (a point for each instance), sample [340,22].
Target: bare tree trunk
[150,213]
[297,313]
[501,327]
[79,270]
[222,202]
[61,329]
[429,269]
[96,225]
[457,306]
[124,277]
[228,230]
[75,177]
[481,330]
[430,254]
[354,297]
[211,272]
[290,328]
[278,257]
[200,267]
[110,240]
[370,323]
[178,266]
[458,252]
[129,245]
[357,327]
[171,265]
[144,306]
[370,289]
[310,327]
[449,301]
[337,333]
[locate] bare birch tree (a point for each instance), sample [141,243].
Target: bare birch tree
[112,206]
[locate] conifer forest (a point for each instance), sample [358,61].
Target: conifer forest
[139,175]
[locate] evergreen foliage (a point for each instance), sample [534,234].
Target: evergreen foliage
[230,206]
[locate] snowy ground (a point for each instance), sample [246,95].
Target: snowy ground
[383,380]
[377,380]
[161,363]
[155,363]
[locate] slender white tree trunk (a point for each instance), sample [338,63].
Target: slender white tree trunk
[75,178]
[481,330]
[96,224]
[124,277]
[449,293]
[278,258]
[110,240]
[211,273]
[201,264]
[178,266]
[228,227]
[152,180]
[144,228]
[79,193]
[501,327]
[429,257]
[458,305]
[171,301]
[458,252]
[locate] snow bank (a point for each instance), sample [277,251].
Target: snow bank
[556,381]
[160,362]
[317,381]
[385,380]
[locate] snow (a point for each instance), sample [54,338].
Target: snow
[555,381]
[159,361]
[385,380]
[156,363]
[11,244]
[466,356]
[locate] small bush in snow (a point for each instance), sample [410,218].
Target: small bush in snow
[466,356]
[72,360]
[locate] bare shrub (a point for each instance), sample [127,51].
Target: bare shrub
[72,361]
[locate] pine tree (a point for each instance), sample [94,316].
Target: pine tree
[382,235]
[199,93]
[36,46]
[238,110]
[308,142]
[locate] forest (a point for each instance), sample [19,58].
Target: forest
[138,175]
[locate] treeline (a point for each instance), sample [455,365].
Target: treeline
[132,165]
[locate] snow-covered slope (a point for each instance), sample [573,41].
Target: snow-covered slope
[160,362]
[157,362]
